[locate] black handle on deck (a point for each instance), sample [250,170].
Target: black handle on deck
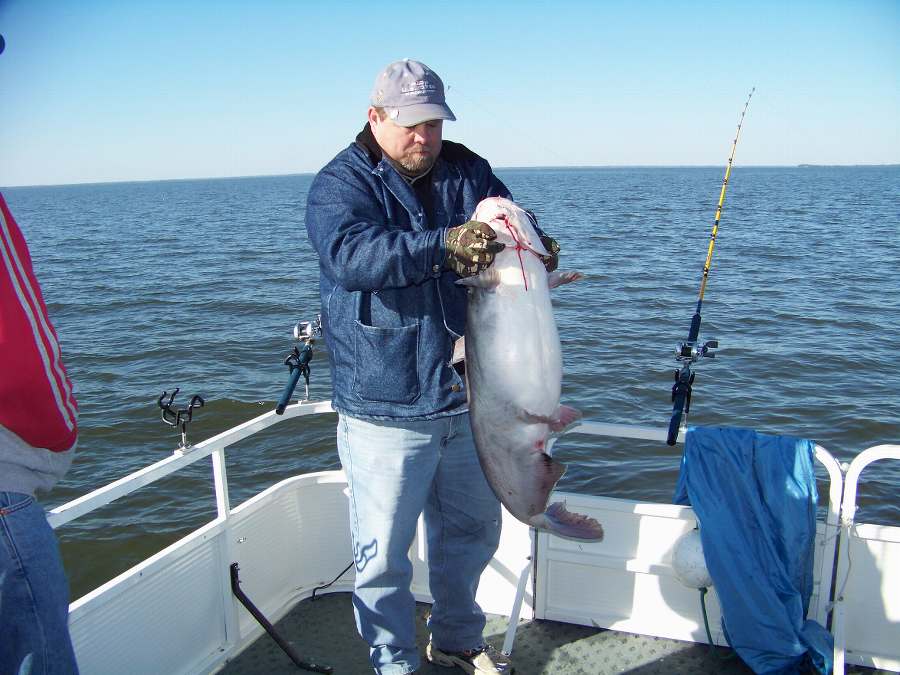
[270,629]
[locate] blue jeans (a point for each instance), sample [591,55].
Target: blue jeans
[396,470]
[34,592]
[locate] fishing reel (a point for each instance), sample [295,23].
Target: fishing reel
[691,352]
[688,352]
[298,359]
[308,330]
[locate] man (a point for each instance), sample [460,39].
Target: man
[388,217]
[37,440]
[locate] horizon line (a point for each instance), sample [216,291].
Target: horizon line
[496,168]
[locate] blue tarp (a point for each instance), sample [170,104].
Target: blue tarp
[755,498]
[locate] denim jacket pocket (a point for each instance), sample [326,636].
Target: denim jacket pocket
[386,363]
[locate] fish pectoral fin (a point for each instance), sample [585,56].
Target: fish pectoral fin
[557,520]
[459,351]
[555,279]
[565,417]
[487,280]
[533,418]
[559,421]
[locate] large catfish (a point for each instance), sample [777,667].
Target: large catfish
[514,372]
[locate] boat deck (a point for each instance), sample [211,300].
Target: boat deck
[323,632]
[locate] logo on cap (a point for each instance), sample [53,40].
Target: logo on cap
[417,87]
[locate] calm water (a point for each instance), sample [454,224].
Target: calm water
[197,284]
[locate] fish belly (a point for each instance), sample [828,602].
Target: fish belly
[514,369]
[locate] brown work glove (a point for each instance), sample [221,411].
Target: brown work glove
[551,262]
[471,248]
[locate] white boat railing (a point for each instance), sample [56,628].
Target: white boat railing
[179,459]
[867,615]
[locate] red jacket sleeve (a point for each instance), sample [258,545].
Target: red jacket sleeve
[36,399]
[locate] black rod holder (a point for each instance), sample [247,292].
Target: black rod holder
[181,417]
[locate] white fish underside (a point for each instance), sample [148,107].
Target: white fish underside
[514,372]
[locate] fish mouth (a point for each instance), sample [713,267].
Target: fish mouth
[513,226]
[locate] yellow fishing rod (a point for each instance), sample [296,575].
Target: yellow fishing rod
[690,351]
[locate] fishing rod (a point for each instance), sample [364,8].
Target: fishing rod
[691,351]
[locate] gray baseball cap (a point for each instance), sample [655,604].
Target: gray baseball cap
[411,93]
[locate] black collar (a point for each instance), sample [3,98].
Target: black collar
[366,140]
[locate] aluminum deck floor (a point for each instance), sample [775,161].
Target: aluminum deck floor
[323,632]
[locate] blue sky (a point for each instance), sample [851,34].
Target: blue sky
[101,91]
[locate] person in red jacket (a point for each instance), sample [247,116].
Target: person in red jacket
[38,432]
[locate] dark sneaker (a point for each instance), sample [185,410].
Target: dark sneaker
[484,661]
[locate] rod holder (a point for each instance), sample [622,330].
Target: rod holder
[181,417]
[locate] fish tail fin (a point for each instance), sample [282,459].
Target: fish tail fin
[557,520]
[555,279]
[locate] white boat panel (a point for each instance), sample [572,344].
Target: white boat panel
[872,597]
[646,604]
[162,616]
[626,582]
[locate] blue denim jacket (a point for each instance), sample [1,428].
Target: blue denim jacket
[390,312]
